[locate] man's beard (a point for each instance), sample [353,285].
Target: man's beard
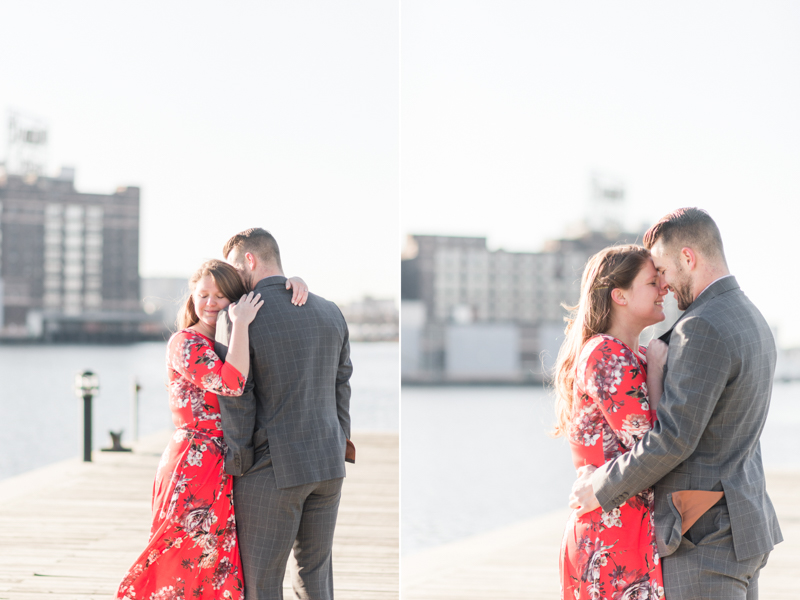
[248,281]
[682,291]
[247,278]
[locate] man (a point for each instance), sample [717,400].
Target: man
[287,433]
[717,387]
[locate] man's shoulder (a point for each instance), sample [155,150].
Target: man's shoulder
[328,304]
[328,308]
[726,310]
[724,319]
[278,308]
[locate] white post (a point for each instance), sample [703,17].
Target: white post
[135,409]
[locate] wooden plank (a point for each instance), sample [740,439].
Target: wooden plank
[73,529]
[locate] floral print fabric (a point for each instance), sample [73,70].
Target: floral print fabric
[193,551]
[610,555]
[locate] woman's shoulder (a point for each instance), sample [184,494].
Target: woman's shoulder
[601,345]
[605,350]
[591,352]
[186,336]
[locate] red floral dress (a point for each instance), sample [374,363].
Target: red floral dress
[610,555]
[193,551]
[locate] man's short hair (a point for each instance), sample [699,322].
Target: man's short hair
[258,242]
[690,227]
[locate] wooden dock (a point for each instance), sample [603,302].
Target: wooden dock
[520,562]
[71,530]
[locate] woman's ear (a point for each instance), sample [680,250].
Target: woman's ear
[618,296]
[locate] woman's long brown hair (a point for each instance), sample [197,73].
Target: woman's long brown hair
[228,281]
[614,267]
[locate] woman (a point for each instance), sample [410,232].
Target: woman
[193,551]
[606,401]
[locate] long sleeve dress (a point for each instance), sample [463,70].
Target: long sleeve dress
[610,555]
[193,551]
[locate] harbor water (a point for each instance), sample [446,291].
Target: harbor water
[478,458]
[42,414]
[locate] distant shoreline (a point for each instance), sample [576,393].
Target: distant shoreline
[8,341]
[476,383]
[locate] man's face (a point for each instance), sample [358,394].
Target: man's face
[672,275]
[237,260]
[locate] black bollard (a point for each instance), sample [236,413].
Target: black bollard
[116,443]
[87,428]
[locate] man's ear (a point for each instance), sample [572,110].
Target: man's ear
[251,261]
[688,258]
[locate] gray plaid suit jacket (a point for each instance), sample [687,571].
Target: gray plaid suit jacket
[717,389]
[295,409]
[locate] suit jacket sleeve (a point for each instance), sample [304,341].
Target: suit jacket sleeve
[699,365]
[343,373]
[238,413]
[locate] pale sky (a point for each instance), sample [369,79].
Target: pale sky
[285,115]
[282,115]
[507,107]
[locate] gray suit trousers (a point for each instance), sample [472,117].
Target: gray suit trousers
[271,522]
[704,567]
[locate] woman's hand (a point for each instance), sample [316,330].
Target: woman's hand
[656,355]
[299,290]
[244,311]
[582,498]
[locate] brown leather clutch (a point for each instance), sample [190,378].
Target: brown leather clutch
[350,452]
[692,504]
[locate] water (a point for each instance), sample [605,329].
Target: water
[478,458]
[43,415]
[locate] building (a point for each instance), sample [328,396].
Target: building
[474,314]
[69,262]
[372,320]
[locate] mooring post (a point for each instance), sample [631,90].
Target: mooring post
[86,385]
[135,409]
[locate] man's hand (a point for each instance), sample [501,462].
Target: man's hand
[582,498]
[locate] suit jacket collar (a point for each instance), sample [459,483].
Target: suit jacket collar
[726,284]
[271,281]
[721,286]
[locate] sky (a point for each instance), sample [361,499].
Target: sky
[282,115]
[482,117]
[508,108]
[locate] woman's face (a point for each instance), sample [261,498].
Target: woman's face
[208,301]
[646,296]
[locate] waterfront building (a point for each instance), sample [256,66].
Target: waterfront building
[372,319]
[69,261]
[474,314]
[368,320]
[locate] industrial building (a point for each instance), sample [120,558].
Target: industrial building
[69,262]
[470,314]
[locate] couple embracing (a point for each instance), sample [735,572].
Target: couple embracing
[259,392]
[671,499]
